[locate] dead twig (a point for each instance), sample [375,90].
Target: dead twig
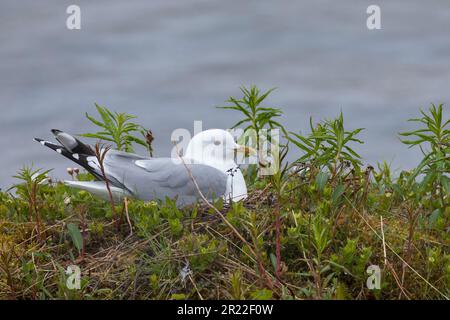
[100,154]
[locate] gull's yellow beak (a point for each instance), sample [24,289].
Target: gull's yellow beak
[247,151]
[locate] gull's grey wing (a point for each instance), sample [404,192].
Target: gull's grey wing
[157,178]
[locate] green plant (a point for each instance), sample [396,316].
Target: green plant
[328,145]
[75,235]
[383,175]
[263,294]
[146,217]
[256,118]
[351,260]
[433,140]
[200,250]
[170,211]
[29,189]
[117,128]
[237,290]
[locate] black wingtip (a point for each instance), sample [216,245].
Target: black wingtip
[41,141]
[55,131]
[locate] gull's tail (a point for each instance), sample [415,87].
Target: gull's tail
[73,149]
[72,144]
[82,154]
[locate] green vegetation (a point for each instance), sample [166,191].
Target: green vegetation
[308,232]
[117,128]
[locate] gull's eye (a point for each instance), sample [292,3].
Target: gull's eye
[217,142]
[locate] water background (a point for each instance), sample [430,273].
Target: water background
[172,62]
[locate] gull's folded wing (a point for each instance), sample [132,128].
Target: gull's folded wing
[156,178]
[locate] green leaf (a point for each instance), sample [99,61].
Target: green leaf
[75,234]
[106,115]
[175,226]
[94,121]
[263,294]
[178,296]
[445,181]
[273,259]
[194,212]
[96,136]
[137,140]
[337,193]
[433,217]
[321,180]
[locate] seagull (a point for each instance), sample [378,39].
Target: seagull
[208,166]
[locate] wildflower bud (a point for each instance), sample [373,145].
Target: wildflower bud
[70,171]
[149,137]
[76,171]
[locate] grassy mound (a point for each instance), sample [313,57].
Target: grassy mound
[320,228]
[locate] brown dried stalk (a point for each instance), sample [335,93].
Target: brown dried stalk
[100,153]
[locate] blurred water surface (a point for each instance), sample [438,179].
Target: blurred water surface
[172,62]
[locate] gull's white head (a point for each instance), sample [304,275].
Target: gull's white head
[214,147]
[217,148]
